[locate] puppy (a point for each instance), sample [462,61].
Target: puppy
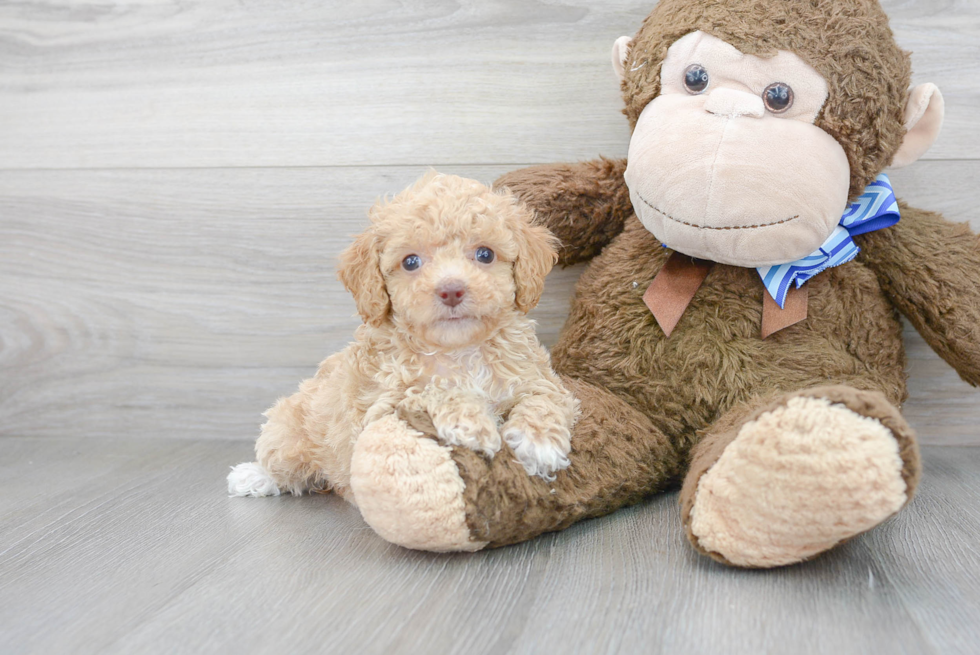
[443,279]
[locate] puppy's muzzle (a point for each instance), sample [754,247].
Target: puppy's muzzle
[451,292]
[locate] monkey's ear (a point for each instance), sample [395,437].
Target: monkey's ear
[620,51]
[360,271]
[923,120]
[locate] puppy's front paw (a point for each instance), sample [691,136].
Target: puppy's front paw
[541,452]
[250,479]
[470,427]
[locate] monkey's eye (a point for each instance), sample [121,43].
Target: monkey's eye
[778,97]
[484,255]
[411,263]
[696,78]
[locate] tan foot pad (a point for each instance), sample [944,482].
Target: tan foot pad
[795,482]
[409,490]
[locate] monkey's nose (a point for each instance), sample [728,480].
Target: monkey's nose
[733,103]
[451,292]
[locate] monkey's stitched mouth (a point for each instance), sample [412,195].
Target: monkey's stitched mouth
[712,227]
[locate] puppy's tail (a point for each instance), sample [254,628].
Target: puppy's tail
[250,479]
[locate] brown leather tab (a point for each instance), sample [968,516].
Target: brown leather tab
[673,288]
[793,311]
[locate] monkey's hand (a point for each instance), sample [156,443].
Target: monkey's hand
[585,205]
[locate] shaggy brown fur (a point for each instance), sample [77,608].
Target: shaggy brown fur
[647,401]
[656,411]
[589,200]
[847,41]
[927,267]
[658,397]
[618,457]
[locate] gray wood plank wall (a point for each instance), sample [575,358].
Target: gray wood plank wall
[176,180]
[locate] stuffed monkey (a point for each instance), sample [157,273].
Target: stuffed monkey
[737,331]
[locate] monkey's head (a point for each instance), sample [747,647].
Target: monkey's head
[755,124]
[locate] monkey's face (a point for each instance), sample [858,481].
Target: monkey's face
[726,163]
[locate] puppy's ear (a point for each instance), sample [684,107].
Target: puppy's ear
[360,271]
[535,258]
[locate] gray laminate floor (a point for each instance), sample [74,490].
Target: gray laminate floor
[131,546]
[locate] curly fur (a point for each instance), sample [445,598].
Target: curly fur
[475,369]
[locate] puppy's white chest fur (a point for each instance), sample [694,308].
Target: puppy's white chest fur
[466,370]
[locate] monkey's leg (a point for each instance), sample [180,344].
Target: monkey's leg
[781,480]
[403,484]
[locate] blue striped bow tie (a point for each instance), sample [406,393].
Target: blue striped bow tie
[875,209]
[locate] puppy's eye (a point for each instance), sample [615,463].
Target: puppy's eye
[484,255]
[411,263]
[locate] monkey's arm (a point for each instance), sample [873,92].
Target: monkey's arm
[930,269]
[584,204]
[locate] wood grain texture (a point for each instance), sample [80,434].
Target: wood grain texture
[273,83]
[135,548]
[181,303]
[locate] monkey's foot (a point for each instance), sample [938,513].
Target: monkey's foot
[802,477]
[408,488]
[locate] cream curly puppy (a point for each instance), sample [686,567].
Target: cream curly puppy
[443,279]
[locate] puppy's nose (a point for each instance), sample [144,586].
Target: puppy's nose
[451,292]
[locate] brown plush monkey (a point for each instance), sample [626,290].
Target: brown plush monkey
[757,359]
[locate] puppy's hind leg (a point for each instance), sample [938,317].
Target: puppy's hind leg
[284,453]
